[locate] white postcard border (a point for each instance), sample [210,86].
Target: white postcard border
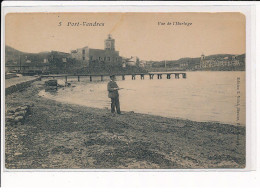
[153,7]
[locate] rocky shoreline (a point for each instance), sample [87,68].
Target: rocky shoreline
[54,135]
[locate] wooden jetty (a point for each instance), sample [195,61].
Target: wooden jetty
[150,75]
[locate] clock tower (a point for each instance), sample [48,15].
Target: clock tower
[110,43]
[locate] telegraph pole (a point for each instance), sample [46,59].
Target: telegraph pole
[20,63]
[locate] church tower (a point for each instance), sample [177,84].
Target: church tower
[110,43]
[202,60]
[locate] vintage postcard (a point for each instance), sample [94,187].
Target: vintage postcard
[132,90]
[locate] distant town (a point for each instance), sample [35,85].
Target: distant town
[90,60]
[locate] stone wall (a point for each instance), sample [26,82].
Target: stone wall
[20,86]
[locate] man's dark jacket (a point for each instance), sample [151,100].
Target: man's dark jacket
[112,93]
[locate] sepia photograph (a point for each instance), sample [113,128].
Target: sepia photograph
[125,90]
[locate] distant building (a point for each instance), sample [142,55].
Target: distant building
[26,68]
[45,60]
[132,61]
[64,60]
[106,56]
[37,63]
[217,62]
[142,63]
[183,65]
[80,54]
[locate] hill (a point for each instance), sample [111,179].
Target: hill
[12,54]
[189,64]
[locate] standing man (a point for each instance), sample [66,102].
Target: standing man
[113,88]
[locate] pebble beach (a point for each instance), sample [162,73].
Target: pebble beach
[56,135]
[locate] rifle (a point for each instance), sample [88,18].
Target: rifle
[126,89]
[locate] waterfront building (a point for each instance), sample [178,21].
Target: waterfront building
[80,54]
[91,57]
[45,60]
[37,63]
[132,61]
[27,68]
[218,62]
[142,63]
[184,65]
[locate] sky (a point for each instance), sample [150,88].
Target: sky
[135,34]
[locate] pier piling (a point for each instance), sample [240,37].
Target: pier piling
[159,75]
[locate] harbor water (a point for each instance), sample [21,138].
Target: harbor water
[202,96]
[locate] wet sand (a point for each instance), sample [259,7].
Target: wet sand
[64,136]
